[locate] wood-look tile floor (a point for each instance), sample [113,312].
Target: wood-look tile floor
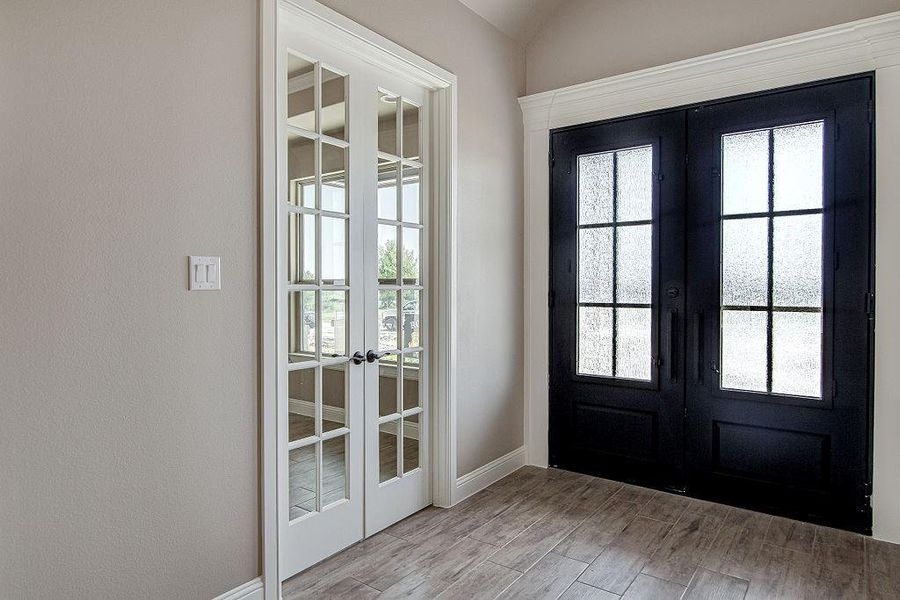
[545,533]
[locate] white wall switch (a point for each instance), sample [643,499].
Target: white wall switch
[206,272]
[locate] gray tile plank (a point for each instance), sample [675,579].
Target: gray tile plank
[642,535]
[709,585]
[546,580]
[614,570]
[484,582]
[735,548]
[680,553]
[883,566]
[646,587]
[790,534]
[582,591]
[587,541]
[665,507]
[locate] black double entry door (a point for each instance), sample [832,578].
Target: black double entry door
[711,320]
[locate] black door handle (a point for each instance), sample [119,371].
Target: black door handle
[673,345]
[358,358]
[698,346]
[372,356]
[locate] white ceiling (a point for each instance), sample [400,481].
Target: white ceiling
[519,19]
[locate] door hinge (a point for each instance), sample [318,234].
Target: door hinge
[685,412]
[834,389]
[715,171]
[871,111]
[867,489]
[551,298]
[870,305]
[550,158]
[660,176]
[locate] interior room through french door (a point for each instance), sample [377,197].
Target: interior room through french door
[712,300]
[352,297]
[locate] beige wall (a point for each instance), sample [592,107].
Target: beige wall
[128,435]
[490,71]
[590,39]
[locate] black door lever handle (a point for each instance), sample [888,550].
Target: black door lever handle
[372,356]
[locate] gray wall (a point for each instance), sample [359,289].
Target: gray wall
[490,71]
[128,406]
[589,39]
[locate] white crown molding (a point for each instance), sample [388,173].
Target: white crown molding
[854,47]
[334,28]
[252,590]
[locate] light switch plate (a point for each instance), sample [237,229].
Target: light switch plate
[205,272]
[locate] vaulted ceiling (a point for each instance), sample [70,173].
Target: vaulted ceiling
[519,19]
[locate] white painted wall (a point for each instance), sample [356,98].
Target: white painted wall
[490,71]
[588,39]
[128,405]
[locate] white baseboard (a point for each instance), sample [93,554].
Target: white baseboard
[483,476]
[252,590]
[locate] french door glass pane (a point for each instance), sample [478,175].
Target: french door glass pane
[301,102]
[633,343]
[388,320]
[334,178]
[410,322]
[387,254]
[595,267]
[301,251]
[334,397]
[334,470]
[595,188]
[772,263]
[387,190]
[634,184]
[797,261]
[301,404]
[745,262]
[797,353]
[410,443]
[633,264]
[411,196]
[387,122]
[334,323]
[334,106]
[334,250]
[409,259]
[411,379]
[388,391]
[303,481]
[301,326]
[745,172]
[301,157]
[595,340]
[388,450]
[798,166]
[744,350]
[410,131]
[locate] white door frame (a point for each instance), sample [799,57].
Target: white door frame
[861,46]
[358,41]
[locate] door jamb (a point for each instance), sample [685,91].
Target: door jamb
[385,54]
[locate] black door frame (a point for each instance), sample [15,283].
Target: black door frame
[692,368]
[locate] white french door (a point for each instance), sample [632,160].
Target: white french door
[352,299]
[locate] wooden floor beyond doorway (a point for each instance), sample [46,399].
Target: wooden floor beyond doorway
[554,534]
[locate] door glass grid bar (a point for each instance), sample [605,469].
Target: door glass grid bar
[401,234]
[615,268]
[772,347]
[317,287]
